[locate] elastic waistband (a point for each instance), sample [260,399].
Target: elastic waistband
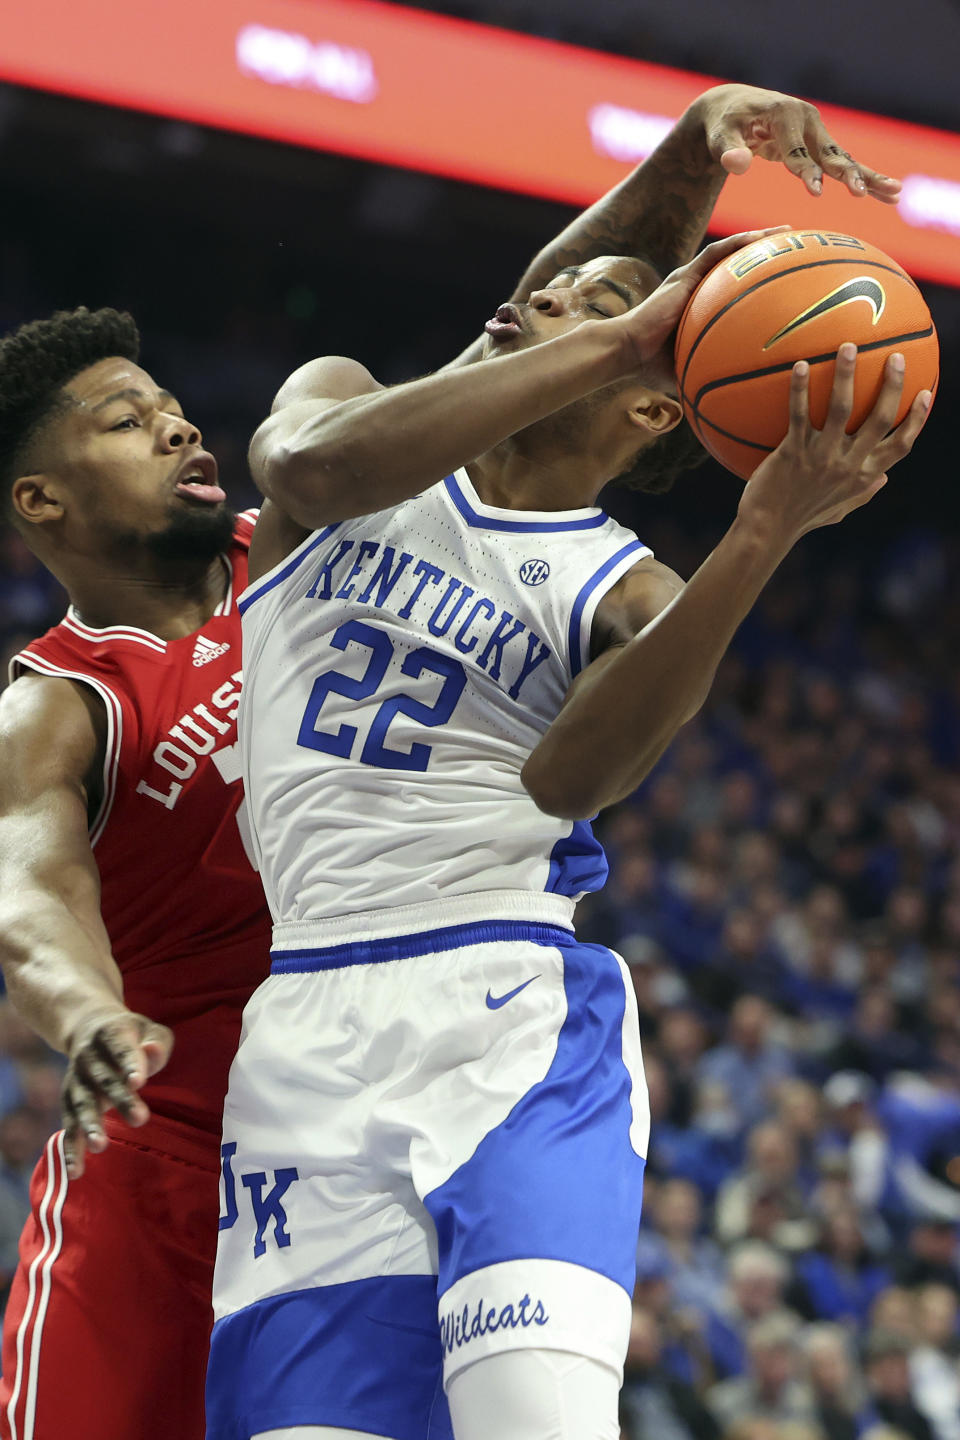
[326,932]
[405,947]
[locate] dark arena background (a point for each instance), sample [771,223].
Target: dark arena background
[786,886]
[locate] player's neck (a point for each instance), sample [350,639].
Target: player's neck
[167,606]
[511,478]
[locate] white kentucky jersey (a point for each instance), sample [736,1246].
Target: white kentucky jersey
[400,667]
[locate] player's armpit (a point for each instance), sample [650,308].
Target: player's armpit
[555,770]
[632,603]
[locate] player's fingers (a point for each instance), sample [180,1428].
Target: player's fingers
[727,145]
[120,1041]
[799,401]
[787,125]
[718,250]
[840,165]
[900,443]
[81,1111]
[841,395]
[878,422]
[74,1150]
[108,1084]
[156,1044]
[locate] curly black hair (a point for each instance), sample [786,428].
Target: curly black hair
[657,467]
[38,360]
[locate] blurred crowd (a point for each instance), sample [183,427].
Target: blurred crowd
[785,889]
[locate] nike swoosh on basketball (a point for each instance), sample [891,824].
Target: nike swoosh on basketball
[494,1002]
[864,287]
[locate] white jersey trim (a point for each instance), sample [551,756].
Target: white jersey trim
[90,633]
[51,1221]
[283,568]
[111,758]
[224,607]
[317,934]
[591,593]
[490,517]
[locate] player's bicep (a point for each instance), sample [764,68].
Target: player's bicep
[51,747]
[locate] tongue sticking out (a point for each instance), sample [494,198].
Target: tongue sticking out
[194,490]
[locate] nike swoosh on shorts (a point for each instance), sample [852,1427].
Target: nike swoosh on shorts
[494,1003]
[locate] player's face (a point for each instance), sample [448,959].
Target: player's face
[598,290]
[130,464]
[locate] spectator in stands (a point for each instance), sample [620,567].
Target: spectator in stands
[751,1062]
[757,1278]
[672,1230]
[834,1383]
[770,1177]
[840,1279]
[771,1387]
[934,1368]
[889,1397]
[932,1255]
[854,1130]
[657,1405]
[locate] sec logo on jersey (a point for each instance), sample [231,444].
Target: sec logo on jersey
[534,572]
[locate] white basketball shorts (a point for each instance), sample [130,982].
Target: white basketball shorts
[432,1153]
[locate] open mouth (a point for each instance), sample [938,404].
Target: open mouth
[198,480]
[505,324]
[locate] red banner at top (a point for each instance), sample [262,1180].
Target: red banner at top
[406,88]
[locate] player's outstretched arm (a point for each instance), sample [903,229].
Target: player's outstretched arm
[629,703]
[54,950]
[328,459]
[660,212]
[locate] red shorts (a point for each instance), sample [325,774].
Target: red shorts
[108,1322]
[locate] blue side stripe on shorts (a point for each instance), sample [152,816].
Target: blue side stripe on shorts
[404,947]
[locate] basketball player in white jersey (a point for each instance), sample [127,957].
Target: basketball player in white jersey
[434,1133]
[433,1141]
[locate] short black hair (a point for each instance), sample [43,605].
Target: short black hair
[657,467]
[38,360]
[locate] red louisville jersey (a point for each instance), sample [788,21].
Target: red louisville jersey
[181,901]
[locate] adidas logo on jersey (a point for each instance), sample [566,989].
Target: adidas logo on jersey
[206,650]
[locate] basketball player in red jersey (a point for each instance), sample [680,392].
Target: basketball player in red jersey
[116,722]
[133,925]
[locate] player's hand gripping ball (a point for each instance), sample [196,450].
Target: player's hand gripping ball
[795,296]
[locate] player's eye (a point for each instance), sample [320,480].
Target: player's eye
[128,422]
[597,310]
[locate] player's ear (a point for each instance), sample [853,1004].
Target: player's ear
[37,499]
[654,411]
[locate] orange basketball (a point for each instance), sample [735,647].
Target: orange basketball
[789,297]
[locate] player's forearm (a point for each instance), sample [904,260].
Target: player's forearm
[658,213]
[618,723]
[376,450]
[56,962]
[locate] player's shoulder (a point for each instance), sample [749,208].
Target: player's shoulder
[637,598]
[50,722]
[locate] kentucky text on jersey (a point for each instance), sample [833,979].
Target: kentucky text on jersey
[371,573]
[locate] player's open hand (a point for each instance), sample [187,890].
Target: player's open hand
[816,477]
[741,121]
[110,1058]
[648,327]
